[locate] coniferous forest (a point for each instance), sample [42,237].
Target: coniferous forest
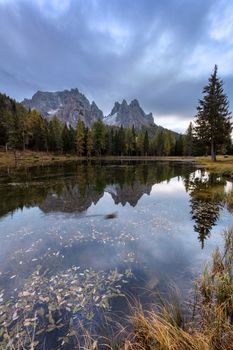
[22,129]
[116,175]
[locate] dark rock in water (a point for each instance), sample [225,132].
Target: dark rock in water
[111,216]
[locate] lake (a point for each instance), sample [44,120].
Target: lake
[78,241]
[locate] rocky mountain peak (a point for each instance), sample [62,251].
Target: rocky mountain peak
[93,104]
[115,108]
[134,103]
[70,105]
[128,115]
[67,105]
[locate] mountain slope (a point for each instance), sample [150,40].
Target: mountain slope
[67,105]
[70,105]
[128,115]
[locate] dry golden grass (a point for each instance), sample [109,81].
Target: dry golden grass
[210,324]
[31,158]
[153,331]
[223,165]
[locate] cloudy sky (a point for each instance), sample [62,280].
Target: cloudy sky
[158,51]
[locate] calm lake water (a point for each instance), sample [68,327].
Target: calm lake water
[61,254]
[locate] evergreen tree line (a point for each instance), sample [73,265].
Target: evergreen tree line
[23,129]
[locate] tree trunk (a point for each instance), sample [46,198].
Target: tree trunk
[213,151]
[16,158]
[23,141]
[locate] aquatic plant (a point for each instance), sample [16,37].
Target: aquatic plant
[208,322]
[56,306]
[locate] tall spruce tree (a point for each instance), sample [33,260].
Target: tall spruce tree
[146,143]
[213,119]
[90,142]
[134,146]
[55,135]
[121,140]
[99,130]
[140,143]
[68,139]
[80,138]
[188,141]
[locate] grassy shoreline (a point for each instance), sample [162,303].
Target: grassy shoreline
[32,158]
[223,166]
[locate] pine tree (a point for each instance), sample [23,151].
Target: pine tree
[55,135]
[167,144]
[146,143]
[90,143]
[179,145]
[99,137]
[4,119]
[67,139]
[213,125]
[16,127]
[134,146]
[140,143]
[38,135]
[122,140]
[153,145]
[188,141]
[159,143]
[80,138]
[129,142]
[116,143]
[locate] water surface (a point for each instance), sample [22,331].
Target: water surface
[58,247]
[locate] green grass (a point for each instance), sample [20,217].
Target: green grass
[223,165]
[31,158]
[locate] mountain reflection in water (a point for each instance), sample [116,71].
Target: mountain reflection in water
[71,188]
[53,232]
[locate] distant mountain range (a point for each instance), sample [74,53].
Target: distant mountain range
[70,105]
[128,115]
[67,105]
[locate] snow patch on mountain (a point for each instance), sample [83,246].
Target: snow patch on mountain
[111,119]
[53,111]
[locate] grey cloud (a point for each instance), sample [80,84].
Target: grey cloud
[110,50]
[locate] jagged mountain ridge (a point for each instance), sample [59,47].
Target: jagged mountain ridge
[128,115]
[69,105]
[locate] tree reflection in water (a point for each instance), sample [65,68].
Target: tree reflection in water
[207,198]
